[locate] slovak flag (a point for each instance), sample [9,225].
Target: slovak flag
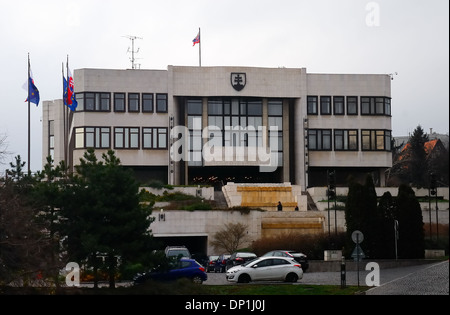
[69,95]
[196,40]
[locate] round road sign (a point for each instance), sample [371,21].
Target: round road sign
[357,237]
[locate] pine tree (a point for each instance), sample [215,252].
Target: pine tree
[104,216]
[411,242]
[418,158]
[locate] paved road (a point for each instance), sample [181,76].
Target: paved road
[428,279]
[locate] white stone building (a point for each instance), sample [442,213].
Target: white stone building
[323,121]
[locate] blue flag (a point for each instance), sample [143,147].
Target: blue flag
[33,92]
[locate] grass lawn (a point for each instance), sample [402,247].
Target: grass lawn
[185,287]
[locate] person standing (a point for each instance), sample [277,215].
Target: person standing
[280,206]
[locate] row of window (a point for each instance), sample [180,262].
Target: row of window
[340,105]
[235,107]
[347,140]
[157,138]
[122,102]
[124,137]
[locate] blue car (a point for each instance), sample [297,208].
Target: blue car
[183,268]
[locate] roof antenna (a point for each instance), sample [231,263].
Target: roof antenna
[133,51]
[392,75]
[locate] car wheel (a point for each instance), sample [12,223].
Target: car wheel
[291,277]
[244,278]
[197,280]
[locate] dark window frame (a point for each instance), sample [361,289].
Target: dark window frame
[345,134]
[312,102]
[375,106]
[319,135]
[166,103]
[157,131]
[335,111]
[97,137]
[328,110]
[371,139]
[144,100]
[350,101]
[137,99]
[94,100]
[127,147]
[124,99]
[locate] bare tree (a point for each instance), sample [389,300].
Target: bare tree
[229,239]
[3,148]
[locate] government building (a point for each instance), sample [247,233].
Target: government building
[219,125]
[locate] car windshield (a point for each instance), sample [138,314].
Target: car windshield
[249,262]
[245,255]
[177,252]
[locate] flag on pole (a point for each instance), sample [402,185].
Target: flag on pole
[196,40]
[30,87]
[69,92]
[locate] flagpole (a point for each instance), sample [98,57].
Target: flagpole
[29,141]
[64,115]
[199,48]
[66,111]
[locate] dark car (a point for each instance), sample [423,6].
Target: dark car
[297,256]
[221,263]
[201,258]
[239,258]
[211,263]
[183,268]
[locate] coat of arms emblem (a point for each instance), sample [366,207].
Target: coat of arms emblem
[238,80]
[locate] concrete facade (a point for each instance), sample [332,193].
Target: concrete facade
[269,223]
[299,163]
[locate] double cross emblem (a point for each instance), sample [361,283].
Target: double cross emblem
[238,80]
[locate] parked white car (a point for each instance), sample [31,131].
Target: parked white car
[266,269]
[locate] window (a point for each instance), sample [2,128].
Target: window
[89,101]
[345,140]
[80,101]
[147,102]
[126,138]
[51,139]
[376,140]
[79,138]
[194,107]
[319,139]
[325,105]
[312,105]
[375,106]
[161,103]
[133,102]
[105,102]
[154,138]
[92,137]
[275,119]
[275,108]
[94,101]
[338,105]
[119,102]
[387,106]
[215,107]
[352,105]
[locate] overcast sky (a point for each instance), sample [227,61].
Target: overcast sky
[407,37]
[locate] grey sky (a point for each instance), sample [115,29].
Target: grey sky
[408,37]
